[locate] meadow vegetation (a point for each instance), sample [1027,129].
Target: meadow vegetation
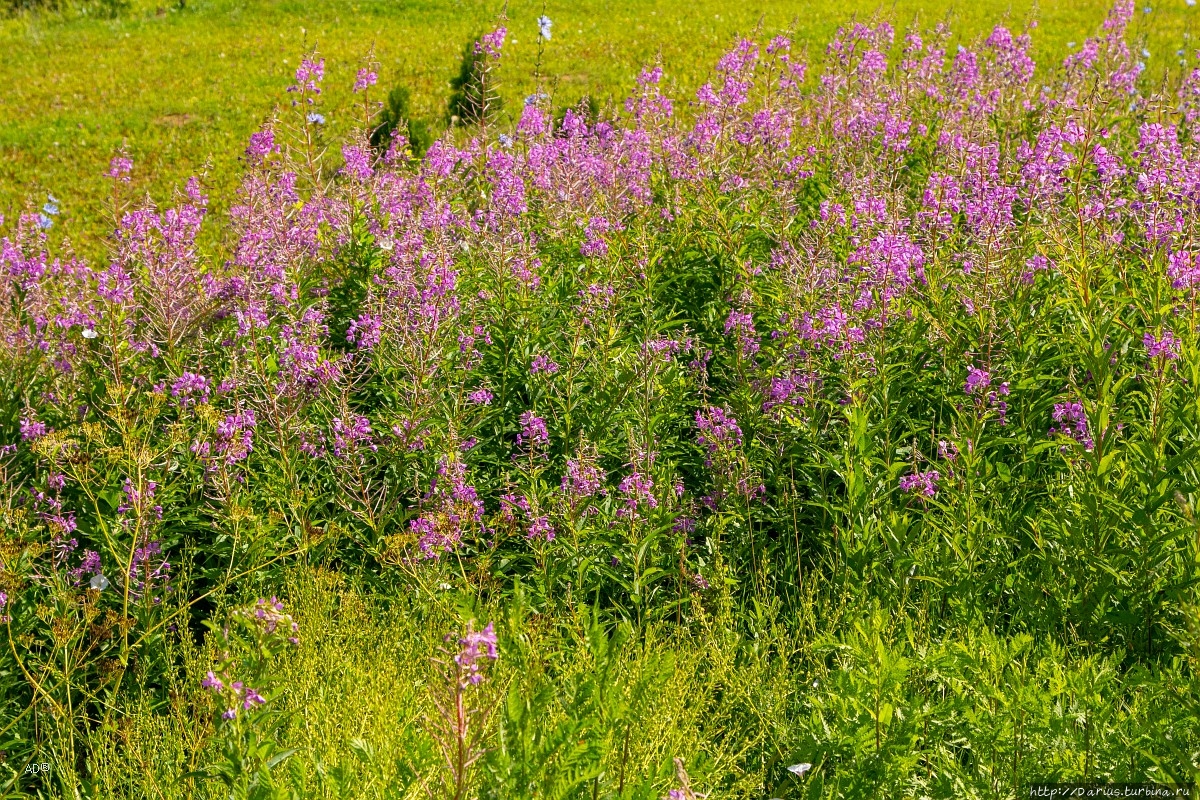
[183,85]
[829,430]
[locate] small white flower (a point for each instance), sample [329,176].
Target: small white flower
[799,769]
[88,333]
[98,582]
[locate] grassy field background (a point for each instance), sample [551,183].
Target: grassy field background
[183,88]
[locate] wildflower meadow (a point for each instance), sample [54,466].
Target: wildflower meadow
[829,432]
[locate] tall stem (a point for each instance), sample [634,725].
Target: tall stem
[460,758]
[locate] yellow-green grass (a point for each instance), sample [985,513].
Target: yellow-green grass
[184,88]
[736,708]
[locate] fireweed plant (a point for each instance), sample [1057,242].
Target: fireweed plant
[901,357]
[239,685]
[458,720]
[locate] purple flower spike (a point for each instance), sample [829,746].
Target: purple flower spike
[1166,348]
[924,483]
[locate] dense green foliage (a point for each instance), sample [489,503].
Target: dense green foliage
[396,117]
[833,437]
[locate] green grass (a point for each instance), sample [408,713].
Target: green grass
[739,707]
[184,89]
